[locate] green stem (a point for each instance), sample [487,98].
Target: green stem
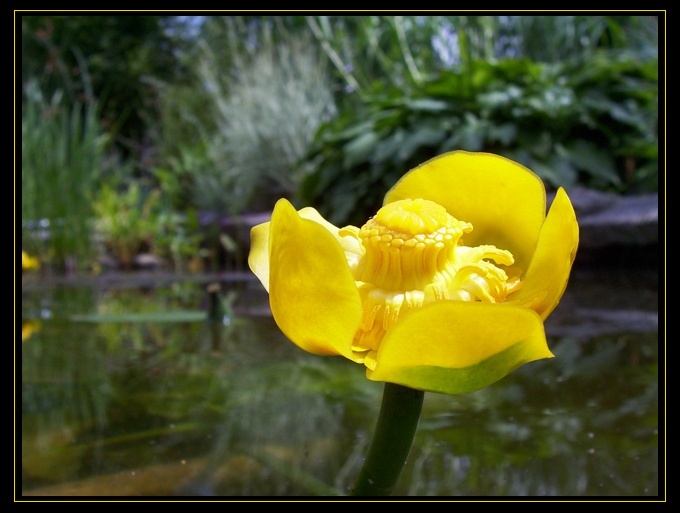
[392,440]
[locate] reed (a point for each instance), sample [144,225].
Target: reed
[62,147]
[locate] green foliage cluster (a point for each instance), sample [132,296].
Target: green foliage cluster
[364,49]
[589,120]
[89,108]
[264,103]
[117,54]
[131,218]
[231,113]
[125,219]
[62,151]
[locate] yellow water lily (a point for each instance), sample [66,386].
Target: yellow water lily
[445,289]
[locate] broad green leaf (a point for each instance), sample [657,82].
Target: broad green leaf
[596,161]
[359,149]
[427,105]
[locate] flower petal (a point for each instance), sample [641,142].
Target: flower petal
[350,245]
[548,274]
[504,201]
[258,258]
[312,293]
[456,347]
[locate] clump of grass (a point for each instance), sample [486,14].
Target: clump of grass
[61,155]
[267,109]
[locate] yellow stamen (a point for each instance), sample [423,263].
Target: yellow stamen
[407,243]
[412,255]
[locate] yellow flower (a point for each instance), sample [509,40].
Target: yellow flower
[28,262]
[28,329]
[445,289]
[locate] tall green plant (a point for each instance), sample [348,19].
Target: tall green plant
[557,38]
[369,51]
[62,147]
[363,49]
[117,52]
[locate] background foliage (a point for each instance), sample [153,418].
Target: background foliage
[118,54]
[62,148]
[591,120]
[225,114]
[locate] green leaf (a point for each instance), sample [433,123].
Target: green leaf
[427,105]
[557,171]
[421,137]
[387,150]
[505,133]
[358,150]
[143,317]
[585,155]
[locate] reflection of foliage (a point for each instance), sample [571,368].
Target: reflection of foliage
[65,385]
[568,422]
[252,415]
[591,121]
[145,331]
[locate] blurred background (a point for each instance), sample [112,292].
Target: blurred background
[150,146]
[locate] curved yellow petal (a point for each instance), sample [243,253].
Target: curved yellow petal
[258,258]
[350,245]
[456,347]
[312,293]
[546,279]
[504,201]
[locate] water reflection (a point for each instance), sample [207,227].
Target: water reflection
[233,409]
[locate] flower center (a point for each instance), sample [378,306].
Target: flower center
[407,243]
[413,256]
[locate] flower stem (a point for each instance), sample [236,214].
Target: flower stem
[392,440]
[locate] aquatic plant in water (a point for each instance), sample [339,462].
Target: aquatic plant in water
[444,290]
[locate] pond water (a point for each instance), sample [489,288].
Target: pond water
[129,389]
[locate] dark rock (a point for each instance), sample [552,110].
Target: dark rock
[613,220]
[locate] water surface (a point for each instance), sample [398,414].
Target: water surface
[128,389]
